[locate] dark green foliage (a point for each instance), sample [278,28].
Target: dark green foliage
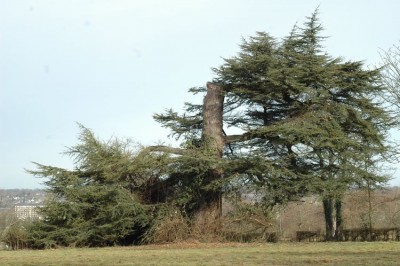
[309,123]
[94,205]
[95,215]
[311,116]
[190,184]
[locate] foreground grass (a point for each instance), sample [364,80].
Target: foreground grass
[357,253]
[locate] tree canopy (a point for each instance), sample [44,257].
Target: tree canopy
[308,123]
[308,120]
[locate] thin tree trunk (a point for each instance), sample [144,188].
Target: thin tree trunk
[369,211]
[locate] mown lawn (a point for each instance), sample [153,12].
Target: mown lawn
[357,253]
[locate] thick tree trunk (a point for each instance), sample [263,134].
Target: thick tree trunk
[212,119]
[333,218]
[329,218]
[339,220]
[213,141]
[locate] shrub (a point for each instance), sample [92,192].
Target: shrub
[15,235]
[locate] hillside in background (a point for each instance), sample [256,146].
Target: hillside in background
[11,197]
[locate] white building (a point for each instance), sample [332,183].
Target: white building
[26,211]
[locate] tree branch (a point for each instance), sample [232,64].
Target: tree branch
[165,149]
[236,138]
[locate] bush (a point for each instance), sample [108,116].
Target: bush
[244,223]
[249,223]
[169,225]
[15,235]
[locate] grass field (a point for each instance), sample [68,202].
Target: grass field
[356,253]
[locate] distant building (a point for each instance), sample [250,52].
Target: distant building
[26,211]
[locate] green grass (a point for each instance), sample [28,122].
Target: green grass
[356,253]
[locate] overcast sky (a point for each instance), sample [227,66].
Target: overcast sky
[111,65]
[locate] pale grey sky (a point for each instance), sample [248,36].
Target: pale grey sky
[112,64]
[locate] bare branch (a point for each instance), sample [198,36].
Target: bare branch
[391,74]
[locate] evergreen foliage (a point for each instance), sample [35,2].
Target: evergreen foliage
[93,205]
[309,120]
[309,123]
[309,114]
